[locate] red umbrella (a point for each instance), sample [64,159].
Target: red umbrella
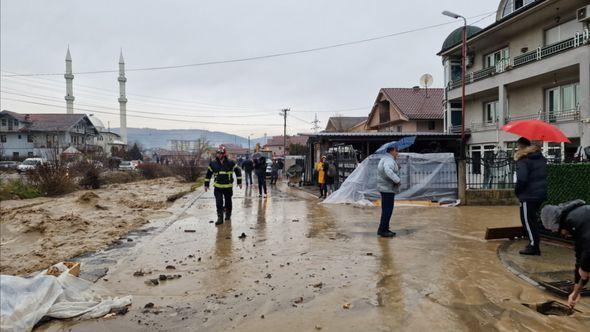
[536,130]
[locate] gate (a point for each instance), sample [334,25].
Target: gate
[345,157]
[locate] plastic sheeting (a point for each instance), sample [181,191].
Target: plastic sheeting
[24,301]
[431,176]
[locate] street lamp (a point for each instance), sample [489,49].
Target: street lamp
[463,69]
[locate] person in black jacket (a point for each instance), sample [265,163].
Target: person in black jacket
[260,170]
[223,169]
[531,190]
[572,219]
[248,167]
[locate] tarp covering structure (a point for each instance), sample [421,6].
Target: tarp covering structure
[24,301]
[431,176]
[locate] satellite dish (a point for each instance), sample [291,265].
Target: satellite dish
[426,81]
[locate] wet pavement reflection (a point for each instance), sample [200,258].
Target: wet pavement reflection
[306,266]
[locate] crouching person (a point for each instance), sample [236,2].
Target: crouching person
[572,219]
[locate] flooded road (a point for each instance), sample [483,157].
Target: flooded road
[303,266]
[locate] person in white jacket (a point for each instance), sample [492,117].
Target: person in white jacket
[388,183]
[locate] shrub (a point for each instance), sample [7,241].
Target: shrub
[52,178]
[566,182]
[17,189]
[154,171]
[187,172]
[90,176]
[120,177]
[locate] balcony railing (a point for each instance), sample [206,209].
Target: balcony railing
[542,52]
[580,39]
[570,115]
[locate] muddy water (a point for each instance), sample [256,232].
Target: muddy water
[304,266]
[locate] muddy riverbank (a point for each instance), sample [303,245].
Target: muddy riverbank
[38,232]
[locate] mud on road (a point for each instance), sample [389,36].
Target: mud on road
[304,267]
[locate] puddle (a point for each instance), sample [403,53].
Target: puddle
[551,308]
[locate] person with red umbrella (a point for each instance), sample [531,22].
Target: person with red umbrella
[531,174]
[531,190]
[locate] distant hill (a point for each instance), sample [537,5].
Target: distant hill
[158,138]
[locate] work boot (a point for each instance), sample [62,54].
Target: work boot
[227,216]
[530,251]
[219,219]
[386,234]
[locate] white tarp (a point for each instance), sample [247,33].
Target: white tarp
[431,176]
[24,301]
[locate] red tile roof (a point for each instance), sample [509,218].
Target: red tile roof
[414,103]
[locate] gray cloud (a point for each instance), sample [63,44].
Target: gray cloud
[35,35]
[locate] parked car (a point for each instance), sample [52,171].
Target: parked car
[268,167]
[126,165]
[8,164]
[136,163]
[30,164]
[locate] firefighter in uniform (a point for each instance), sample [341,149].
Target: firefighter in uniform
[223,169]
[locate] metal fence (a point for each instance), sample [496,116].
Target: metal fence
[346,160]
[491,172]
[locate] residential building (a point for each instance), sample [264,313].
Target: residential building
[107,141]
[28,135]
[532,63]
[343,124]
[407,110]
[275,144]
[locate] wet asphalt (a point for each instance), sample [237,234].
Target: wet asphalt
[304,266]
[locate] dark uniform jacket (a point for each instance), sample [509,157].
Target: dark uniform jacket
[531,175]
[223,173]
[577,223]
[248,165]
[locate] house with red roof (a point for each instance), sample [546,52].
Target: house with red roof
[407,110]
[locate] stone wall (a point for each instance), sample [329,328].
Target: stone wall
[490,197]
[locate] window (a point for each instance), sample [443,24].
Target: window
[30,138]
[565,98]
[399,129]
[499,59]
[19,137]
[490,112]
[431,125]
[15,155]
[2,138]
[15,122]
[3,122]
[562,32]
[513,5]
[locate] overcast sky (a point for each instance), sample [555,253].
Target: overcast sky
[35,35]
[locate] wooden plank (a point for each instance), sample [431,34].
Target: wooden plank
[496,233]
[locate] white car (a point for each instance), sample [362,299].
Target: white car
[126,166]
[30,164]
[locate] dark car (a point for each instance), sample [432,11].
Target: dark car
[8,164]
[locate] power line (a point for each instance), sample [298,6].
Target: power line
[147,117]
[50,98]
[260,57]
[108,93]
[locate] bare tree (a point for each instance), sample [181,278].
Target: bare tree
[189,164]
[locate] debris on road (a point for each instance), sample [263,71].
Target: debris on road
[243,236]
[346,306]
[152,282]
[189,231]
[149,305]
[170,267]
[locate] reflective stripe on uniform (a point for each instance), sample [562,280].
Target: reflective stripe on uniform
[223,186]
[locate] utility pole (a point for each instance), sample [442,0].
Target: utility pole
[283,113]
[316,123]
